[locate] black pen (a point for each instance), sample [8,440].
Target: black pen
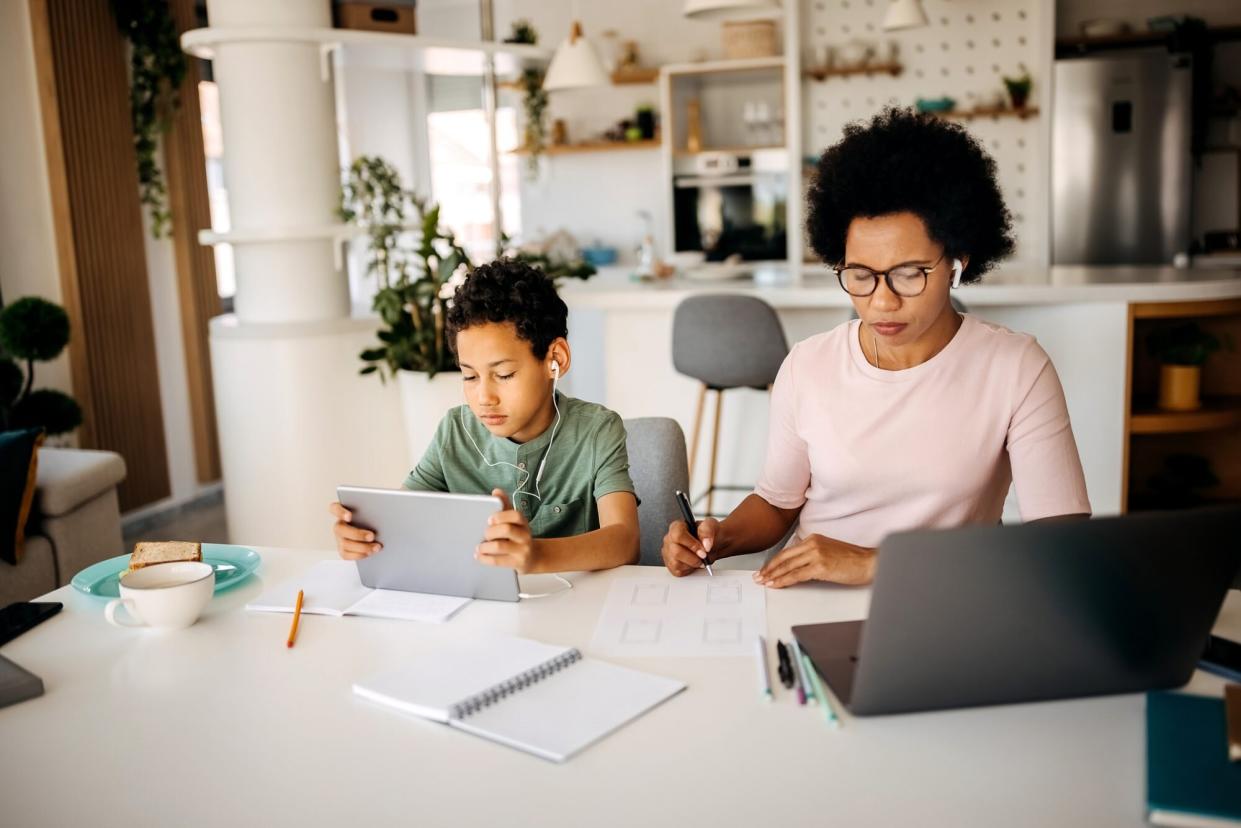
[785,668]
[688,514]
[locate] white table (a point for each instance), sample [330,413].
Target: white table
[221,724]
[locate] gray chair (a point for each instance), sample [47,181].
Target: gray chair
[658,468]
[725,341]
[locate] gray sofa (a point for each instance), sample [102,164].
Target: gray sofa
[75,521]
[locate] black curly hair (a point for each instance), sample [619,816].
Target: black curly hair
[507,290]
[903,161]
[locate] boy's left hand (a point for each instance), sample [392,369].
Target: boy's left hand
[508,541]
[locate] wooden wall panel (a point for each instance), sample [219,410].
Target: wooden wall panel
[85,59]
[185,163]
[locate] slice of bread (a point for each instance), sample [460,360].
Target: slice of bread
[149,553]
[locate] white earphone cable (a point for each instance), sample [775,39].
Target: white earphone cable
[537,493]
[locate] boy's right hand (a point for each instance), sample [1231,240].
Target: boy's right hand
[352,542]
[682,553]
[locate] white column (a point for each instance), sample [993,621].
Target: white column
[295,419]
[279,126]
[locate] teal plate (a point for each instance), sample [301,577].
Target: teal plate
[233,564]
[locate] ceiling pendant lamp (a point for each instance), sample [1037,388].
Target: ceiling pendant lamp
[905,14]
[575,64]
[719,9]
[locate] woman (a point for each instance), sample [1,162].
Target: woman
[913,416]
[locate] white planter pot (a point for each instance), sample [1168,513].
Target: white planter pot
[424,402]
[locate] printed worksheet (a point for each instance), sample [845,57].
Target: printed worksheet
[698,615]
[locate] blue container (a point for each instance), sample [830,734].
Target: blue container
[599,256]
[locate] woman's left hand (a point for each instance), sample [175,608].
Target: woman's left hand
[817,558]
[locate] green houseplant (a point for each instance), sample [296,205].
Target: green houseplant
[1019,89]
[534,99]
[415,280]
[33,330]
[534,132]
[1181,351]
[157,67]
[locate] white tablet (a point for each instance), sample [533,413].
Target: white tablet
[428,542]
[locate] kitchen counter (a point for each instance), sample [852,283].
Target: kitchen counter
[612,289]
[621,335]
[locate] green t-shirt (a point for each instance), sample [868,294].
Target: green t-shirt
[587,460]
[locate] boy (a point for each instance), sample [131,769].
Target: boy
[564,460]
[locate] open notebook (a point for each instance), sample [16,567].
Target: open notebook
[334,588]
[543,699]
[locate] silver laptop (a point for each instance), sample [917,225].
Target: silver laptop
[992,615]
[428,542]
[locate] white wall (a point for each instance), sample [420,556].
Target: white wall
[29,265]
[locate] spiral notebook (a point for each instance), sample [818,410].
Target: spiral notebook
[543,699]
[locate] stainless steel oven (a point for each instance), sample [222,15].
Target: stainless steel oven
[732,204]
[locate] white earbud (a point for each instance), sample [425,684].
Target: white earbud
[555,369]
[957,267]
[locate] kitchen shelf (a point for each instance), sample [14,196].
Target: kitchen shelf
[437,55]
[1074,46]
[636,76]
[822,73]
[729,150]
[1216,413]
[593,146]
[1023,113]
[709,67]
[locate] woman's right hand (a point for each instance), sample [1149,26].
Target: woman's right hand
[352,542]
[682,553]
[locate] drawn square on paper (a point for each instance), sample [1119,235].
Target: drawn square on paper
[649,595]
[721,631]
[640,631]
[723,593]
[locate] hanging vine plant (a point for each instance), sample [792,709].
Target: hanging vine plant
[157,67]
[535,105]
[534,99]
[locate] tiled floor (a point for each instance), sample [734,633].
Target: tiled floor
[203,522]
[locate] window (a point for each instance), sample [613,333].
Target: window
[459,146]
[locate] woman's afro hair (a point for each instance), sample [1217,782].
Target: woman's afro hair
[902,161]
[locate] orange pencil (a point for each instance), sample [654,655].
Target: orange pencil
[297,616]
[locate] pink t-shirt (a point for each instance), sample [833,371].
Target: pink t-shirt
[870,452]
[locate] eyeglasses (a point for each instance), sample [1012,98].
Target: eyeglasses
[907,281]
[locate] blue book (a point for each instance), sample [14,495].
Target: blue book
[1189,779]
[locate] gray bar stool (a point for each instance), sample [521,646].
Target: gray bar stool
[725,341]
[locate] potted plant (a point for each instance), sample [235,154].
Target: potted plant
[1181,350]
[416,284]
[33,330]
[1019,89]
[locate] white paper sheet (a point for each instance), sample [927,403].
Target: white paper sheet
[334,588]
[698,615]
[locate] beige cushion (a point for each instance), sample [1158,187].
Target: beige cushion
[70,477]
[34,576]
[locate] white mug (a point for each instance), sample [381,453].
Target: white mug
[168,596]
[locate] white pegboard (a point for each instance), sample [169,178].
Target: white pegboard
[965,52]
